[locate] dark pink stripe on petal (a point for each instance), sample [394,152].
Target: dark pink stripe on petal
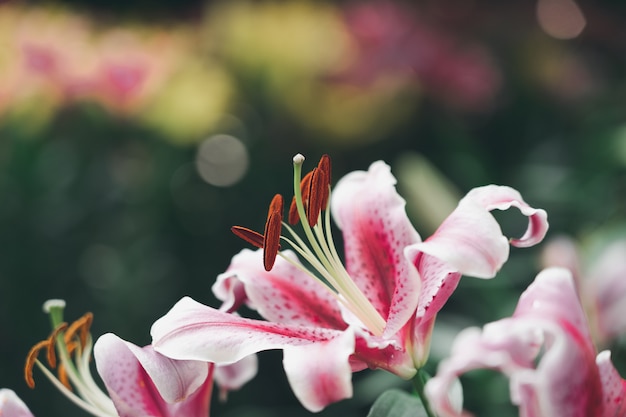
[285,294]
[376,230]
[193,331]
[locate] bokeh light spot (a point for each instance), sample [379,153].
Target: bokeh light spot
[222,160]
[561,19]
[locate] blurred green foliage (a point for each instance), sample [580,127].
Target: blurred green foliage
[112,215]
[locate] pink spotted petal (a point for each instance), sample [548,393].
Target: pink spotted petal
[230,290]
[376,229]
[193,331]
[11,405]
[320,373]
[546,328]
[141,382]
[285,294]
[613,387]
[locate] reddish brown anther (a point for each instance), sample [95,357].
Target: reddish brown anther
[270,240]
[319,186]
[305,187]
[250,236]
[273,227]
[325,165]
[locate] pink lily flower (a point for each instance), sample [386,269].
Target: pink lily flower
[11,405]
[545,349]
[376,312]
[140,382]
[600,282]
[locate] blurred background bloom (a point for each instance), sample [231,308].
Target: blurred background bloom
[599,269]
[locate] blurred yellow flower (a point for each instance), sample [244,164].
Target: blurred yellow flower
[187,108]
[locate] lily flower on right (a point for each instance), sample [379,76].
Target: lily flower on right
[545,349]
[598,265]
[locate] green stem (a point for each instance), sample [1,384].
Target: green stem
[418,383]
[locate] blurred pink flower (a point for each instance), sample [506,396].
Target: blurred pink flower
[11,405]
[376,312]
[545,349]
[601,283]
[391,40]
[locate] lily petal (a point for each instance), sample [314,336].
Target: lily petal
[497,197]
[614,387]
[376,229]
[320,373]
[194,331]
[11,405]
[285,294]
[143,382]
[548,326]
[469,242]
[233,376]
[470,239]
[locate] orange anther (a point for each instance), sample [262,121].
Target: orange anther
[62,374]
[51,353]
[31,358]
[80,326]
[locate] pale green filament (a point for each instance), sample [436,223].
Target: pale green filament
[323,257]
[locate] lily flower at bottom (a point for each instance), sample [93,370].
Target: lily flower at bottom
[11,405]
[545,349]
[330,320]
[140,382]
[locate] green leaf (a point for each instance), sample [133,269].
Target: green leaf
[396,403]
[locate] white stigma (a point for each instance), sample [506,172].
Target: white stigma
[298,159]
[53,303]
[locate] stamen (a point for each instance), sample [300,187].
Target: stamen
[80,326]
[31,358]
[318,189]
[324,165]
[50,354]
[49,345]
[273,227]
[62,374]
[250,236]
[68,349]
[276,205]
[305,187]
